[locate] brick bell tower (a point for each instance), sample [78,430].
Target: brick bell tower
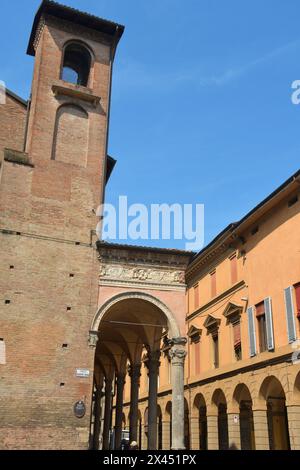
[49,192]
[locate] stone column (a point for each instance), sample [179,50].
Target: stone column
[153,367]
[92,342]
[261,431]
[195,433]
[135,373]
[166,444]
[212,431]
[97,419]
[293,414]
[234,434]
[177,355]
[119,410]
[107,413]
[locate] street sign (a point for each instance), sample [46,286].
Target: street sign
[83,373]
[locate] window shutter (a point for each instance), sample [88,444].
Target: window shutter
[269,323]
[251,329]
[237,334]
[297,293]
[290,314]
[197,358]
[260,309]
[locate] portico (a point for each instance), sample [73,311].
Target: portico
[141,300]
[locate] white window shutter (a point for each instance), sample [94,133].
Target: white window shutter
[290,314]
[251,330]
[269,323]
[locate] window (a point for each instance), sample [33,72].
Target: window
[213,283]
[196,296]
[77,64]
[212,325]
[194,334]
[215,339]
[197,358]
[237,340]
[233,269]
[232,313]
[262,327]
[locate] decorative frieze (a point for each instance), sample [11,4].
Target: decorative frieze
[138,274]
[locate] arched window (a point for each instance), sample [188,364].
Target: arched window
[77,64]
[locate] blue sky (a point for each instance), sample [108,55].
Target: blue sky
[201,106]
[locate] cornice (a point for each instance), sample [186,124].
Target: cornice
[235,288]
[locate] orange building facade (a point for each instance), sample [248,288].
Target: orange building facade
[242,371]
[103,343]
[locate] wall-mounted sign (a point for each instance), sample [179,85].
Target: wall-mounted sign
[84,373]
[79,409]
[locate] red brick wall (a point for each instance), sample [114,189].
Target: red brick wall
[51,207]
[13,121]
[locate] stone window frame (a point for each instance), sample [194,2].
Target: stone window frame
[212,325]
[233,313]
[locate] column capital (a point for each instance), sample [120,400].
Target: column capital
[108,386]
[134,371]
[177,341]
[121,379]
[177,354]
[93,338]
[152,361]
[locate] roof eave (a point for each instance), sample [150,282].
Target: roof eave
[233,230]
[106,27]
[16,97]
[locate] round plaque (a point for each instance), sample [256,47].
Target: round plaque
[79,409]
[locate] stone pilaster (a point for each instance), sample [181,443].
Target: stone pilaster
[293,413]
[234,434]
[166,434]
[195,434]
[261,431]
[212,432]
[144,439]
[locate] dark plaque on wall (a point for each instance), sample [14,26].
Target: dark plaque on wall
[79,409]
